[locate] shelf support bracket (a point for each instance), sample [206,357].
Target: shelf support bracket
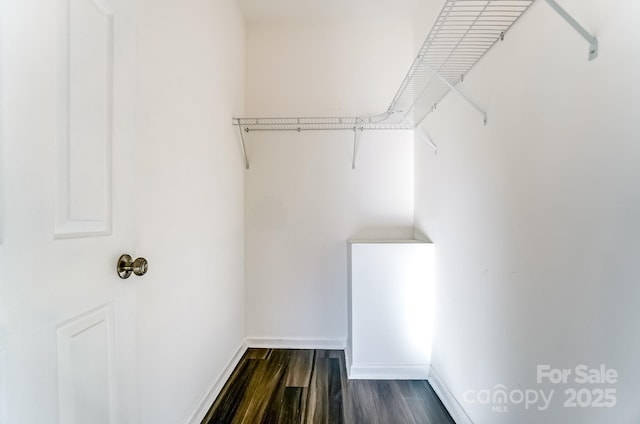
[593,41]
[428,139]
[356,144]
[244,147]
[452,87]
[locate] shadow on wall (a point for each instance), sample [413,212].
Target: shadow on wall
[419,235]
[384,233]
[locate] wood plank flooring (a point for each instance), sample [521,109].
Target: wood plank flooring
[278,386]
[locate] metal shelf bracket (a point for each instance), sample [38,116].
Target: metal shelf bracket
[427,138]
[244,147]
[356,144]
[453,88]
[593,41]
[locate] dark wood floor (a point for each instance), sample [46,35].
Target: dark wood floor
[272,386]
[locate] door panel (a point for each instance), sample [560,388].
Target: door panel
[67,322]
[86,369]
[83,195]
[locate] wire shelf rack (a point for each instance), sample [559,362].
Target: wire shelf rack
[462,34]
[380,122]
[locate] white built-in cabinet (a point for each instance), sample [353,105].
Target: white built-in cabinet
[390,304]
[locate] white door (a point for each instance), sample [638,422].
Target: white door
[67,331]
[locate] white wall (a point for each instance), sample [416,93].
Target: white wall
[189,200]
[303,200]
[535,217]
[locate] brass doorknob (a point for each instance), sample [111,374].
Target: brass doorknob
[126,266]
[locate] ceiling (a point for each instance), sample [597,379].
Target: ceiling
[290,10]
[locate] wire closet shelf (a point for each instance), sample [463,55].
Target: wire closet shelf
[462,34]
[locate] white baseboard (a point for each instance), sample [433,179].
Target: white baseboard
[209,397]
[381,372]
[3,385]
[293,343]
[347,361]
[384,372]
[388,372]
[449,401]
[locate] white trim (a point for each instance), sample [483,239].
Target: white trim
[3,385]
[3,106]
[388,372]
[449,401]
[296,343]
[202,407]
[347,361]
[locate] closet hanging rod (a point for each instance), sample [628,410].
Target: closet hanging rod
[316,124]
